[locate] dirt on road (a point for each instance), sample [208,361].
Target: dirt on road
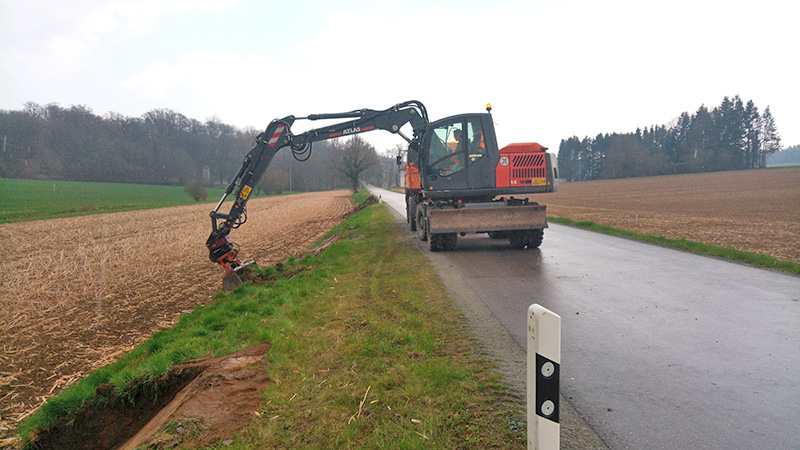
[78,293]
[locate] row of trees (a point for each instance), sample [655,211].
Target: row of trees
[164,147]
[160,147]
[787,156]
[732,136]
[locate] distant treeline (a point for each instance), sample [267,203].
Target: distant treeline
[732,136]
[161,147]
[785,157]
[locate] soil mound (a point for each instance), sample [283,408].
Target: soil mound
[371,200]
[197,403]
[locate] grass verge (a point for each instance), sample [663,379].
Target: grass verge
[729,253]
[368,352]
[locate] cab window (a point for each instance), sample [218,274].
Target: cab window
[447,152]
[477,144]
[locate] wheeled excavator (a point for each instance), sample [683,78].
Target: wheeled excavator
[457,180]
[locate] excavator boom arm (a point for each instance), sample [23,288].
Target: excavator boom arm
[391,120]
[277,136]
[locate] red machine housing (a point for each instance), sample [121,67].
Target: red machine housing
[522,164]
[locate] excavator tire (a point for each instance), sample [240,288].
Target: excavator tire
[411,208]
[450,241]
[537,236]
[436,242]
[422,227]
[526,238]
[443,241]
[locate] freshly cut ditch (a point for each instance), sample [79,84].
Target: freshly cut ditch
[197,403]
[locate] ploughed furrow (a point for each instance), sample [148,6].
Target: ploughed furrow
[80,292]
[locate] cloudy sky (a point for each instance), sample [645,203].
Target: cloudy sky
[551,69]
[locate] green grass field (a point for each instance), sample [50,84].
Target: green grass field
[775,166]
[25,200]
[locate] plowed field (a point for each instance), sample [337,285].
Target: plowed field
[754,210]
[77,293]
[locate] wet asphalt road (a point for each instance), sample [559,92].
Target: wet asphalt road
[660,348]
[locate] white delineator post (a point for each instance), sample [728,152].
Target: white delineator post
[544,367]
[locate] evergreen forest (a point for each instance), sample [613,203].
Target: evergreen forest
[731,136]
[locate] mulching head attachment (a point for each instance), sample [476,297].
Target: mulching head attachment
[223,252]
[232,278]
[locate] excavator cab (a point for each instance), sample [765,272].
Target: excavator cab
[458,155]
[459,159]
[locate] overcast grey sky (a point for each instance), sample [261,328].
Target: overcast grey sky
[551,69]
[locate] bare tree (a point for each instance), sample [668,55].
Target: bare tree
[352,158]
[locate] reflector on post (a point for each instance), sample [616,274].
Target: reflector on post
[544,367]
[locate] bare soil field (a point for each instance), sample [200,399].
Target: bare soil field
[78,293]
[756,210]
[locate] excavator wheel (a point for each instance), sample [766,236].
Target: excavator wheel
[450,241]
[526,238]
[537,236]
[442,241]
[436,242]
[411,208]
[422,227]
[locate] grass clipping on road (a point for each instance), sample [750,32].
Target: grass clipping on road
[367,352]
